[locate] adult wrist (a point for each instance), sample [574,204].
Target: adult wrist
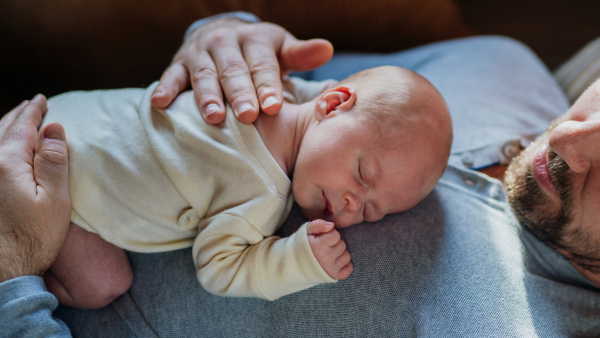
[243,16]
[17,259]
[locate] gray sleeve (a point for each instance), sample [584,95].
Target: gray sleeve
[26,309]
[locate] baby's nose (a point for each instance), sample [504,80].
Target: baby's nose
[351,202]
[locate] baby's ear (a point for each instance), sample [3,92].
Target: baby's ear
[336,100]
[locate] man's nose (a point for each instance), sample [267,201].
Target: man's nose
[578,143]
[351,202]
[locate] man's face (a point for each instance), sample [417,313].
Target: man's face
[554,185]
[345,173]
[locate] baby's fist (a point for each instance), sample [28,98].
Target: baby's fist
[329,249]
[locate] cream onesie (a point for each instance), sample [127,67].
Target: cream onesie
[150,180]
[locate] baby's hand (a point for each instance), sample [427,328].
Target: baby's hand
[329,249]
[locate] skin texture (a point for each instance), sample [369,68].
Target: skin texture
[244,61]
[89,272]
[35,205]
[574,191]
[329,249]
[346,169]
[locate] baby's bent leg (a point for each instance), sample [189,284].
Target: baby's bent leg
[89,272]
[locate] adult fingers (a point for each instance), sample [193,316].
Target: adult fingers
[207,89]
[234,77]
[19,139]
[10,116]
[173,81]
[304,55]
[50,164]
[264,68]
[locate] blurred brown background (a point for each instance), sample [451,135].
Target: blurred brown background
[53,46]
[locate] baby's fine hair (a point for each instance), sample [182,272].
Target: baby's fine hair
[394,98]
[399,103]
[390,95]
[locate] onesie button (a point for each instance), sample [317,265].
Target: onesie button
[511,149]
[188,218]
[467,159]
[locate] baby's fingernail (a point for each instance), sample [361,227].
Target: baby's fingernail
[329,223]
[270,101]
[37,97]
[212,108]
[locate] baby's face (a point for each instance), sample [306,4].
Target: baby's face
[346,174]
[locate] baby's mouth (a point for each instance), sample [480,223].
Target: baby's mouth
[326,206]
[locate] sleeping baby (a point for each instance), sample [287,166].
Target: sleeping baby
[151,180]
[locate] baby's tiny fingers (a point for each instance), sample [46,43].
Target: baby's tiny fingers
[346,271]
[331,238]
[338,248]
[318,226]
[343,259]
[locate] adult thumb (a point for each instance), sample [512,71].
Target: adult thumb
[304,55]
[51,162]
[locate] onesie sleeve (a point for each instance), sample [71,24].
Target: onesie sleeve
[234,259]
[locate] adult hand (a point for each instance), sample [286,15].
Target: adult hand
[35,205]
[246,60]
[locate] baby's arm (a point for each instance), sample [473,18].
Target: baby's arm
[329,249]
[233,258]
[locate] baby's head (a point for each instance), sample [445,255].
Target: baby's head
[379,142]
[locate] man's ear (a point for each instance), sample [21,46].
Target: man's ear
[335,101]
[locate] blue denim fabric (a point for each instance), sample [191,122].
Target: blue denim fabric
[456,265]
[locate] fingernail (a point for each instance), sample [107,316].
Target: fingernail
[54,132]
[212,108]
[270,101]
[37,97]
[329,223]
[156,93]
[244,107]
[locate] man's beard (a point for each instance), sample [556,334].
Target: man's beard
[532,207]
